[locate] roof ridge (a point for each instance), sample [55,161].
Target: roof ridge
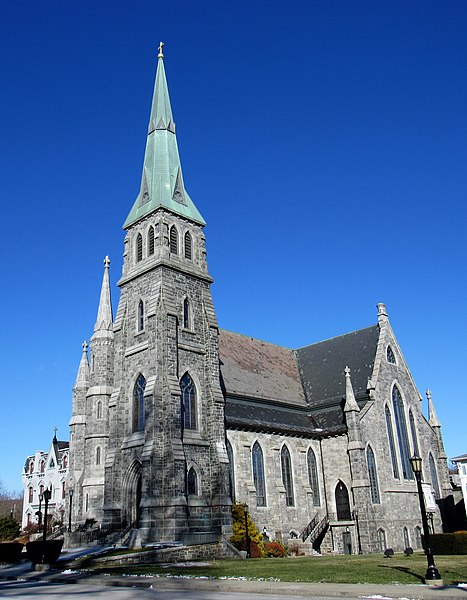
[244,335]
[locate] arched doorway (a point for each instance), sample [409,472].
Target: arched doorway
[132,496]
[342,502]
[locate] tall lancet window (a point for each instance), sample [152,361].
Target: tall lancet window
[401,429]
[287,480]
[188,245]
[139,247]
[231,469]
[138,404]
[313,476]
[413,431]
[173,240]
[192,482]
[140,315]
[258,474]
[188,393]
[151,241]
[372,475]
[392,446]
[434,476]
[186,314]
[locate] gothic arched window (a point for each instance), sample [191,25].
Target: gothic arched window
[139,247]
[231,469]
[313,476]
[186,314]
[382,542]
[192,482]
[258,474]
[413,431]
[173,240]
[99,410]
[401,429]
[188,395]
[287,479]
[30,494]
[98,455]
[342,502]
[372,475]
[138,404]
[140,315]
[418,536]
[151,241]
[392,446]
[434,476]
[390,355]
[42,466]
[188,245]
[31,467]
[405,534]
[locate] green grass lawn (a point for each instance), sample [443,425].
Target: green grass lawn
[330,569]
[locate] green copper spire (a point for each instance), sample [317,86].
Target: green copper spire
[162,180]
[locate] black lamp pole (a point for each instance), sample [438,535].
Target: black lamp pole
[39,512]
[70,494]
[47,495]
[432,573]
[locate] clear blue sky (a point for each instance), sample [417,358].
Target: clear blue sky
[324,142]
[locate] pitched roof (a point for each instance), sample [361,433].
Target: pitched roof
[255,369]
[322,366]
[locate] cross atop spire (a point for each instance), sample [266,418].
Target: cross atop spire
[162,184]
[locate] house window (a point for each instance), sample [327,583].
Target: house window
[313,476]
[173,240]
[390,355]
[30,494]
[98,456]
[138,404]
[151,241]
[140,315]
[139,247]
[372,475]
[413,431]
[42,466]
[401,429]
[287,480]
[342,502]
[231,469]
[188,396]
[188,245]
[186,314]
[258,474]
[192,482]
[31,467]
[41,489]
[392,446]
[434,476]
[65,461]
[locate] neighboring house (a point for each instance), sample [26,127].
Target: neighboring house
[461,462]
[45,470]
[173,417]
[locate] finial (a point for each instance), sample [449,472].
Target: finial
[347,371]
[106,262]
[160,55]
[382,313]
[85,346]
[55,434]
[428,395]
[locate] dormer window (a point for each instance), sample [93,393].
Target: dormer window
[390,355]
[139,248]
[173,240]
[31,467]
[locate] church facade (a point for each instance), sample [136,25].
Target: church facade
[174,418]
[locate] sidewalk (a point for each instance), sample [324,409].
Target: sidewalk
[23,572]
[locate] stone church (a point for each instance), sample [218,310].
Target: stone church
[173,418]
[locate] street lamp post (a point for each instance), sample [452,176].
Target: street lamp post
[70,494]
[47,494]
[432,574]
[39,512]
[355,516]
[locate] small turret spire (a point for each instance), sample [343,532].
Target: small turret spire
[104,313]
[382,313]
[350,402]
[432,416]
[82,379]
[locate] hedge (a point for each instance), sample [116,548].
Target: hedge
[449,543]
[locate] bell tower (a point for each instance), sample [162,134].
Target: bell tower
[166,468]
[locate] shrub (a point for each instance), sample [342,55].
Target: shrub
[9,529]
[275,549]
[238,537]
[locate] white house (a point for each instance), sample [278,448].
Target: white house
[45,470]
[461,462]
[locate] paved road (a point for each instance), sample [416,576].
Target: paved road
[29,590]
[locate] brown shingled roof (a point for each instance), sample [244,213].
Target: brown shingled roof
[255,369]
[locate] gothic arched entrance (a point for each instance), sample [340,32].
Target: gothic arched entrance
[132,495]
